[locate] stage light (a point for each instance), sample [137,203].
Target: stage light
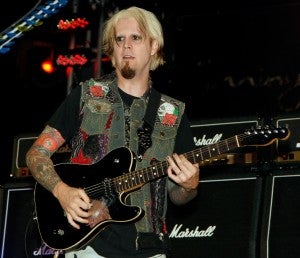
[47,66]
[73,24]
[72,60]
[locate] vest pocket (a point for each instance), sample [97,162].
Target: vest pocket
[163,141]
[162,134]
[95,114]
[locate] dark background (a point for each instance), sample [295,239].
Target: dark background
[223,58]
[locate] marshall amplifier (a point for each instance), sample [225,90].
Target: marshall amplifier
[289,150]
[19,233]
[281,223]
[222,221]
[212,131]
[21,145]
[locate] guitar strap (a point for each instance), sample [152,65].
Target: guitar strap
[144,132]
[157,187]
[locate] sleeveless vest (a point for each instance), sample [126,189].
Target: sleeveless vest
[103,129]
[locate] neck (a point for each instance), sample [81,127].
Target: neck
[136,86]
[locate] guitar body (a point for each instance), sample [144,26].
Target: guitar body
[53,225]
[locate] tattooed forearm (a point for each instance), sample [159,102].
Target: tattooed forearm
[41,167]
[38,158]
[180,196]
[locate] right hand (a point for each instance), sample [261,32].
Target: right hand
[99,212]
[75,202]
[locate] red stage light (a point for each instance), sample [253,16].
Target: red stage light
[47,66]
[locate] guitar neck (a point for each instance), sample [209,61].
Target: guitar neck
[138,178]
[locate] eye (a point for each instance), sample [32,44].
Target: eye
[120,39]
[136,38]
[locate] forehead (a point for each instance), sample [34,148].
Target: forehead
[127,25]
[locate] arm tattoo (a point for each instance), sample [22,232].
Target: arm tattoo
[38,157]
[179,196]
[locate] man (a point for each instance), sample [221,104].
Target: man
[100,116]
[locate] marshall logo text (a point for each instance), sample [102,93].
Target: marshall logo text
[178,232]
[206,141]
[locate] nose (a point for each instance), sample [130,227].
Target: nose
[127,43]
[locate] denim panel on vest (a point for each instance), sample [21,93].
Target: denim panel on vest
[96,113]
[163,140]
[103,113]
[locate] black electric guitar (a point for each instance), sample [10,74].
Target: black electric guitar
[113,178]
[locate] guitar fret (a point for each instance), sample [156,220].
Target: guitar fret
[224,148]
[212,150]
[205,153]
[127,182]
[201,153]
[208,149]
[134,180]
[195,157]
[131,181]
[163,166]
[154,172]
[147,174]
[227,146]
[118,185]
[124,183]
[140,178]
[232,144]
[150,173]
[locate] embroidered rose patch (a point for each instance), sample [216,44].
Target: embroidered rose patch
[168,114]
[97,89]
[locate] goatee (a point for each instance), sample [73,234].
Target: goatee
[127,72]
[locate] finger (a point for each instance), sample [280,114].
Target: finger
[186,166]
[82,214]
[78,217]
[84,197]
[182,163]
[82,208]
[71,221]
[173,161]
[77,213]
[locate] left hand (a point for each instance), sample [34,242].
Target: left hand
[183,172]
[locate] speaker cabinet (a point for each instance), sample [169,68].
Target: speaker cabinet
[222,221]
[21,145]
[19,234]
[281,219]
